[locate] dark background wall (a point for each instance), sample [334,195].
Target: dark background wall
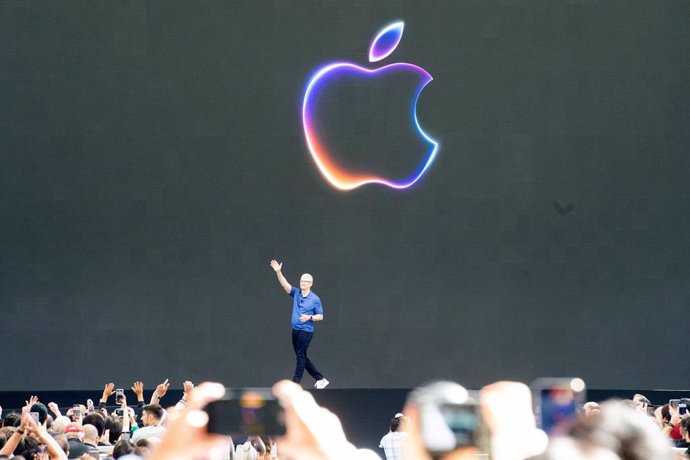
[152,162]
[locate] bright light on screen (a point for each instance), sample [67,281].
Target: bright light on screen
[383,44]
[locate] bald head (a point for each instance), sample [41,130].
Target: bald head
[90,434]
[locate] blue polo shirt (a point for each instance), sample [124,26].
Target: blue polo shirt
[309,305]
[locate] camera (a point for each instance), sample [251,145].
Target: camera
[246,412]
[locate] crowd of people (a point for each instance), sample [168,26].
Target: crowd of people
[440,420]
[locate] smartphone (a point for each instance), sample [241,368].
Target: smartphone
[124,436]
[246,412]
[449,426]
[34,415]
[119,396]
[557,401]
[76,411]
[682,407]
[674,403]
[119,412]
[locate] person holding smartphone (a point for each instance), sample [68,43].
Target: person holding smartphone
[306,309]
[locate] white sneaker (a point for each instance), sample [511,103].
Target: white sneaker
[321,384]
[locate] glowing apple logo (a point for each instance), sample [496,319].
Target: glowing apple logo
[382,46]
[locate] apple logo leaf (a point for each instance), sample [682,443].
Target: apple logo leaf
[386,41]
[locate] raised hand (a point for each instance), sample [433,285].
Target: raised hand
[276,266]
[186,436]
[54,409]
[187,386]
[162,388]
[312,431]
[108,390]
[138,389]
[32,400]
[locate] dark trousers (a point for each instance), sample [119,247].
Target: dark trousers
[300,343]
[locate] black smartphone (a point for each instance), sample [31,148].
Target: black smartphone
[119,395]
[246,412]
[682,407]
[558,401]
[119,412]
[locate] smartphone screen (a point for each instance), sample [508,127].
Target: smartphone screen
[463,420]
[119,395]
[246,412]
[682,408]
[34,415]
[558,401]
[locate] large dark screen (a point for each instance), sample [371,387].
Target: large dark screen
[153,162]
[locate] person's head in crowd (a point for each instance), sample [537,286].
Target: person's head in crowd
[49,422]
[6,432]
[90,434]
[662,414]
[151,415]
[90,456]
[617,429]
[74,430]
[641,402]
[28,448]
[146,445]
[142,451]
[590,408]
[61,439]
[11,419]
[113,426]
[143,442]
[684,426]
[121,448]
[95,419]
[398,423]
[60,423]
[41,410]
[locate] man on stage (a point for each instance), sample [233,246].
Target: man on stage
[306,308]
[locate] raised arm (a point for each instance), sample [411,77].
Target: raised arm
[281,279]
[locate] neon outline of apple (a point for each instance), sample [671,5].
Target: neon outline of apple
[379,49]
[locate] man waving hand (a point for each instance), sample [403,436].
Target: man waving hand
[306,309]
